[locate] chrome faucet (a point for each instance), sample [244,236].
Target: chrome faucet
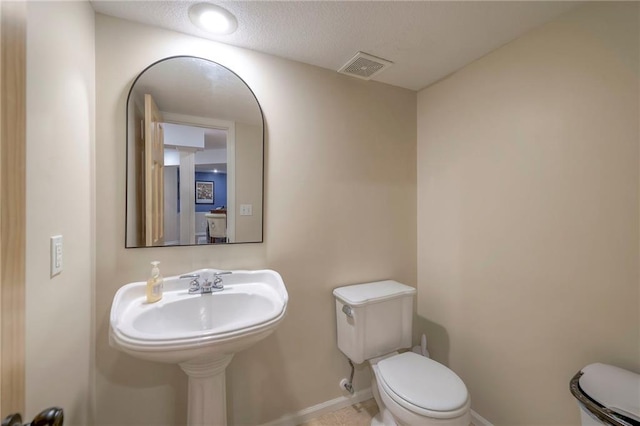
[207,286]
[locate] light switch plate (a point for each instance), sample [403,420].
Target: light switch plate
[56,255]
[246,210]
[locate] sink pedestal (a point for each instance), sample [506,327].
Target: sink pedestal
[207,402]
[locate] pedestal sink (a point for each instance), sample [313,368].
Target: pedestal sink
[200,332]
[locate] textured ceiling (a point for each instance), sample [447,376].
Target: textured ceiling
[198,79]
[426,40]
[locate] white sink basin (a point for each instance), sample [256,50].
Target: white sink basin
[200,332]
[186,327]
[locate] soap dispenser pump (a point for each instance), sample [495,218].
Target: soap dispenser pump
[154,284]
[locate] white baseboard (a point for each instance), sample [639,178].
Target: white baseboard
[478,420]
[307,414]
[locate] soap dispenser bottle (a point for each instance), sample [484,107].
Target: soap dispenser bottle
[154,284]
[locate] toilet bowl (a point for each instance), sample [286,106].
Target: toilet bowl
[417,391]
[374,321]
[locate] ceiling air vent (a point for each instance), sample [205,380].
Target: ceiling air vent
[364,66]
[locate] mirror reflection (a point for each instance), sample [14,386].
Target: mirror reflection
[194,156]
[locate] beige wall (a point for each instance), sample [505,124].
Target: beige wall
[60,142]
[248,181]
[340,208]
[528,214]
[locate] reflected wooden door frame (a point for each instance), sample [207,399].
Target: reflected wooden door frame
[153,173]
[13,16]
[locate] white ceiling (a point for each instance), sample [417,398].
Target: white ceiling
[426,40]
[198,79]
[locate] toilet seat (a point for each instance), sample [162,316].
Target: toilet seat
[423,386]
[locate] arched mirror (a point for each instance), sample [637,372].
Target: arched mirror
[195,146]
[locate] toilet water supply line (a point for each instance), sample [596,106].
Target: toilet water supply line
[348,384]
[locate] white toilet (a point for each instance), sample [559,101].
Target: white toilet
[374,321]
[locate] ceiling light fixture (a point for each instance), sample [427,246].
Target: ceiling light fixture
[212,18]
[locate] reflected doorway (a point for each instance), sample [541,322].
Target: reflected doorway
[199,183]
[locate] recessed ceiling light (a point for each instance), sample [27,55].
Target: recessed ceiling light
[212,18]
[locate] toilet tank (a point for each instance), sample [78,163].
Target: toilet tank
[373,319]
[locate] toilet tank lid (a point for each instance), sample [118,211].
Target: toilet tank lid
[613,387]
[361,294]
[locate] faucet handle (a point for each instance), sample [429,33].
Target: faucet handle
[194,285]
[189,276]
[217,279]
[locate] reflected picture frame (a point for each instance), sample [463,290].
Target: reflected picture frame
[204,192]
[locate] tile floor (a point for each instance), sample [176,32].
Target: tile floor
[354,415]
